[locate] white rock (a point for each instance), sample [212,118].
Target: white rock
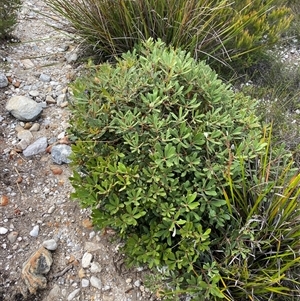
[73,294]
[3,230]
[45,78]
[95,267]
[51,209]
[86,260]
[137,283]
[35,231]
[96,282]
[50,244]
[92,234]
[61,135]
[85,282]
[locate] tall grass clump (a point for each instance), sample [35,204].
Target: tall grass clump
[179,166]
[8,16]
[220,30]
[259,254]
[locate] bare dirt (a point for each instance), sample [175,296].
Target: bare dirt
[34,191]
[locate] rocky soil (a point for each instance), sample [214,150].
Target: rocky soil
[49,250]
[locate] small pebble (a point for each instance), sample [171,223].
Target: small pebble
[34,93]
[96,282]
[73,294]
[3,230]
[50,244]
[85,282]
[95,267]
[12,236]
[45,78]
[137,283]
[92,234]
[106,288]
[35,231]
[86,260]
[35,127]
[51,209]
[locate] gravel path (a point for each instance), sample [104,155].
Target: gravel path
[36,212]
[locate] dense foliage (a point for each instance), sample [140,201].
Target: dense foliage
[177,163]
[8,16]
[219,31]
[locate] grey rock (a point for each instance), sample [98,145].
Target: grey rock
[50,244]
[86,260]
[35,231]
[3,81]
[45,78]
[3,230]
[60,153]
[36,147]
[12,236]
[96,282]
[23,108]
[73,294]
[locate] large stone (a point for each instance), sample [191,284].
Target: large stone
[60,153]
[23,108]
[36,147]
[3,81]
[35,267]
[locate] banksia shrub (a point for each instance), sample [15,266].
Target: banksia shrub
[219,30]
[153,142]
[8,16]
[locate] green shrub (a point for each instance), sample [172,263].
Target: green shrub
[153,152]
[8,16]
[219,30]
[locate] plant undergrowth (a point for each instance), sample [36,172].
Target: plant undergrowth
[178,164]
[218,31]
[8,16]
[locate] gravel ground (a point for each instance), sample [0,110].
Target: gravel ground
[34,189]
